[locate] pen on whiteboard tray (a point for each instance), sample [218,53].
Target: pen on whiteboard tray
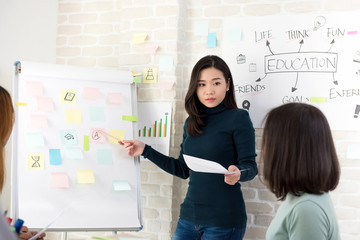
[106,134]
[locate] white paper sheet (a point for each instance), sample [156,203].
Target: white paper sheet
[202,165]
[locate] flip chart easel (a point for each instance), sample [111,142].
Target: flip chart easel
[60,162]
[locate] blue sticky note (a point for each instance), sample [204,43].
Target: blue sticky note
[234,34]
[34,140]
[166,63]
[55,156]
[97,114]
[121,185]
[104,156]
[201,28]
[211,40]
[74,153]
[68,137]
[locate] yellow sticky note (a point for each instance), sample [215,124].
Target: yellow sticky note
[85,176]
[120,134]
[68,96]
[21,104]
[150,75]
[73,116]
[35,161]
[138,38]
[317,99]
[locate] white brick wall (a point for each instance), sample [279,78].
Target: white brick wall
[98,34]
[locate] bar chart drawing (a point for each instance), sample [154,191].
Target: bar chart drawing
[158,129]
[154,124]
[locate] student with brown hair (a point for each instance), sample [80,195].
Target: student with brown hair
[300,168]
[218,131]
[7,118]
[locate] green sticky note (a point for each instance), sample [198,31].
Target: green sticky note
[137,79]
[317,99]
[129,118]
[86,143]
[102,238]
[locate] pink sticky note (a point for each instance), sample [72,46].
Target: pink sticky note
[151,49]
[96,136]
[59,180]
[38,121]
[45,104]
[34,89]
[91,93]
[115,98]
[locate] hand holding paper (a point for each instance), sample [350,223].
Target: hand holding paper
[202,165]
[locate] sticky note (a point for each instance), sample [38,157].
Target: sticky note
[317,99]
[21,104]
[166,63]
[38,121]
[68,96]
[34,89]
[91,93]
[96,136]
[151,49]
[55,156]
[150,75]
[74,153]
[35,161]
[59,180]
[68,137]
[166,85]
[35,140]
[45,104]
[211,40]
[120,134]
[201,28]
[115,98]
[85,176]
[86,143]
[73,116]
[137,79]
[234,34]
[104,156]
[121,185]
[129,118]
[138,38]
[96,114]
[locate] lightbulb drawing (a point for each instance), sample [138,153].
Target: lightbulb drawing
[319,22]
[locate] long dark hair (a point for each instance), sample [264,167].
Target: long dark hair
[298,151]
[192,104]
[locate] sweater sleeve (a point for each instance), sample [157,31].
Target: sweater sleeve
[308,221]
[176,167]
[244,140]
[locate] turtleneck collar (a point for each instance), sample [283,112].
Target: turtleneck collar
[219,108]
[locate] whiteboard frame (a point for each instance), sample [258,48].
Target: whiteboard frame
[98,74]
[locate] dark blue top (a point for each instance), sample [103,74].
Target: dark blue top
[228,138]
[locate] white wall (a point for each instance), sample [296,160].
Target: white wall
[27,33]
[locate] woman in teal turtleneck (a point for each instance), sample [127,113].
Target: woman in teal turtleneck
[215,130]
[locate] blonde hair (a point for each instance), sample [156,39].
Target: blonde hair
[6,124]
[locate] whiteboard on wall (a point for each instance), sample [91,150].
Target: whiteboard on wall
[308,58]
[64,170]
